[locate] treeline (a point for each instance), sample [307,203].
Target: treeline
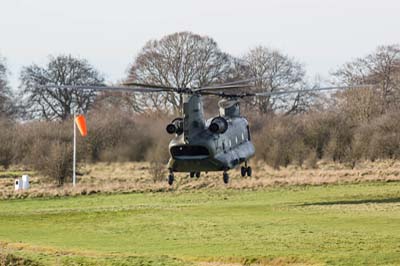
[344,126]
[114,135]
[309,137]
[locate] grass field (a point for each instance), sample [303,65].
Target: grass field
[350,224]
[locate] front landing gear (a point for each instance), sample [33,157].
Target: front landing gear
[193,174]
[171,178]
[225,177]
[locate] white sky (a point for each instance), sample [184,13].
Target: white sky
[322,34]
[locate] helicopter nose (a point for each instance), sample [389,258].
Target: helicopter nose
[189,151]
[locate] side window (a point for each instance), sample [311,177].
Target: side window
[248,133]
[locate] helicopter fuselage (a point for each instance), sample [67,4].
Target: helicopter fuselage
[211,151]
[201,148]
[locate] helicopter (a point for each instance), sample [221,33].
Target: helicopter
[220,143]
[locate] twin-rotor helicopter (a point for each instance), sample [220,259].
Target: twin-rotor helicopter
[220,143]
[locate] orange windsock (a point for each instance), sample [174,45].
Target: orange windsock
[81,123]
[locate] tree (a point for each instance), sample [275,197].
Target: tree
[7,142]
[6,102]
[380,68]
[50,103]
[180,60]
[360,105]
[275,72]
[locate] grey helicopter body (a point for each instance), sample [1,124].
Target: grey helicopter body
[217,144]
[220,143]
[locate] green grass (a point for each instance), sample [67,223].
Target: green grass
[356,224]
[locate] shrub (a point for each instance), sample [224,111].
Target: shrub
[157,153]
[339,147]
[7,142]
[281,142]
[307,137]
[56,162]
[115,135]
[49,148]
[380,138]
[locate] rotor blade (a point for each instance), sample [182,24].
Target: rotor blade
[232,84]
[223,87]
[239,82]
[266,94]
[144,85]
[309,90]
[102,88]
[216,93]
[244,83]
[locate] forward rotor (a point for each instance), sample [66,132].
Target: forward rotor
[215,90]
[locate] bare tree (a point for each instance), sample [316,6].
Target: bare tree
[358,105]
[50,104]
[180,60]
[117,100]
[6,99]
[381,68]
[275,72]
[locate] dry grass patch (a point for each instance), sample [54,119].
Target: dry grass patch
[136,177]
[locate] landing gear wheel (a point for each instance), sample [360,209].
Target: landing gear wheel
[225,177]
[171,179]
[197,174]
[243,171]
[192,174]
[249,171]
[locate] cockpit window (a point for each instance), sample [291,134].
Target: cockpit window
[186,150]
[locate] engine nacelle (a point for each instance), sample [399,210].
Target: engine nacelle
[218,125]
[176,126]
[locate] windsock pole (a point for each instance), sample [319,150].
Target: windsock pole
[74,156]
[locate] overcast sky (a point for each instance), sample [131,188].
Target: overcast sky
[322,34]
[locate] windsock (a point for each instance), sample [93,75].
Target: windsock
[81,123]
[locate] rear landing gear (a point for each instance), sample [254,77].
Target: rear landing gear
[249,171]
[225,177]
[243,171]
[246,170]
